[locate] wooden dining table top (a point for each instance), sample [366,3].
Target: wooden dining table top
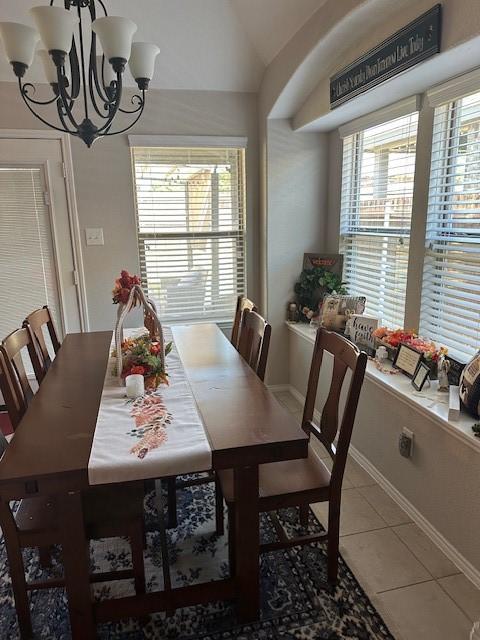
[243,421]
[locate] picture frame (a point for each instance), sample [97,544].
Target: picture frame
[407,359]
[420,376]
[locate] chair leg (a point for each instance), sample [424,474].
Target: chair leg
[138,563]
[17,572]
[172,502]
[333,540]
[219,523]
[45,557]
[231,539]
[303,510]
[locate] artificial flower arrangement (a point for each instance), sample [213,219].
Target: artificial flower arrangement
[394,337]
[123,286]
[140,355]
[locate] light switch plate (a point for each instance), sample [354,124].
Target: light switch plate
[94,236]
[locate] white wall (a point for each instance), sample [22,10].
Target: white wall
[103,179]
[296,214]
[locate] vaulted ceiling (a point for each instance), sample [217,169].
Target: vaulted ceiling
[221,45]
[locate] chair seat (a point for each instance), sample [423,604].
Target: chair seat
[283,478]
[105,509]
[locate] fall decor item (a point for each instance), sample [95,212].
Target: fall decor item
[470,386]
[147,354]
[393,338]
[314,283]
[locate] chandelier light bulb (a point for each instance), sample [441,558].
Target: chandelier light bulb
[115,34]
[142,61]
[56,27]
[19,42]
[108,74]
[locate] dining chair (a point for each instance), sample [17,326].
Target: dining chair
[242,304]
[109,511]
[254,341]
[35,322]
[299,483]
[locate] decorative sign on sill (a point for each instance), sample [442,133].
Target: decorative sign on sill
[414,43]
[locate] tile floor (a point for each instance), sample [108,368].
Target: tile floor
[419,592]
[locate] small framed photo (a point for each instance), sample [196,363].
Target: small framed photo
[420,376]
[407,359]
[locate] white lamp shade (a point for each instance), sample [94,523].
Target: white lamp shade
[48,66]
[142,59]
[108,73]
[56,27]
[19,42]
[115,35]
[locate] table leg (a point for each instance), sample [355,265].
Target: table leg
[247,543]
[76,566]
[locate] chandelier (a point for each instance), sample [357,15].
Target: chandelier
[83,84]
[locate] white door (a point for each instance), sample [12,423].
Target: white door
[37,259]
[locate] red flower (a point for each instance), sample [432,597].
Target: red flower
[155,348]
[138,369]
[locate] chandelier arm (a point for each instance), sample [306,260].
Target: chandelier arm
[62,118]
[135,99]
[65,98]
[93,100]
[24,90]
[74,70]
[114,133]
[115,106]
[93,71]
[52,126]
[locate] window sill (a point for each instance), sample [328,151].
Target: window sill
[432,404]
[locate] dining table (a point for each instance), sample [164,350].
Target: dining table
[49,454]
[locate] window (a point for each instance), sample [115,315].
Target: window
[450,310]
[376,209]
[26,248]
[191,229]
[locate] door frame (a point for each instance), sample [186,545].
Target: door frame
[74,225]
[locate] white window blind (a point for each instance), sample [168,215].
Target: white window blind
[27,262]
[450,311]
[191,229]
[376,209]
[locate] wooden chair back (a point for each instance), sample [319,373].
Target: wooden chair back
[346,356]
[255,341]
[14,384]
[243,303]
[35,322]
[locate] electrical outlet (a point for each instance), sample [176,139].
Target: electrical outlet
[405,443]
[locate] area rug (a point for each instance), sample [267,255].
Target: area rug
[296,603]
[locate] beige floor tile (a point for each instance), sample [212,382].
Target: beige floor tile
[422,612]
[298,415]
[425,550]
[356,514]
[288,401]
[319,448]
[384,505]
[464,593]
[380,561]
[357,474]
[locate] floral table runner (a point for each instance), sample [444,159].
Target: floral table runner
[160,434]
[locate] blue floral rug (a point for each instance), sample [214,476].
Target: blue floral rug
[296,603]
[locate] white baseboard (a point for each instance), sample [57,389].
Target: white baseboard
[278,388]
[466,567]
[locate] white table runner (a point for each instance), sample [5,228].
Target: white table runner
[161,434]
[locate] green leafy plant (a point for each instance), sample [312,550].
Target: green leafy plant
[313,285]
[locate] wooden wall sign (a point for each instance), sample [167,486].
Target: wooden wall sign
[417,41]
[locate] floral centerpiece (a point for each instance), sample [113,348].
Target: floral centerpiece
[393,338]
[141,356]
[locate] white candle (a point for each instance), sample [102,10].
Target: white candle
[134,385]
